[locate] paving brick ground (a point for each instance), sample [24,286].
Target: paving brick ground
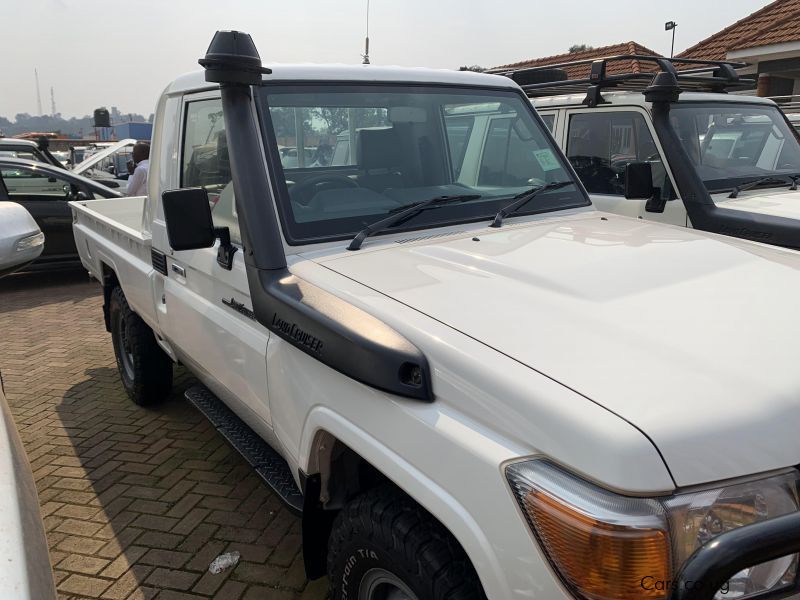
[136,502]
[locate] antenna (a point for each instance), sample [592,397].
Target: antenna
[38,94]
[365,56]
[52,101]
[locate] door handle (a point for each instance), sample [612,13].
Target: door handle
[179,270]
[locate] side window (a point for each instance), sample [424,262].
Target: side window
[601,144]
[205,161]
[549,120]
[21,182]
[512,157]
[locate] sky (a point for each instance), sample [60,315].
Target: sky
[111,53]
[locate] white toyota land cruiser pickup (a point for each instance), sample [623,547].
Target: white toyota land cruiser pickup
[470,382]
[680,150]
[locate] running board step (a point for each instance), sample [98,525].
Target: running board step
[267,463]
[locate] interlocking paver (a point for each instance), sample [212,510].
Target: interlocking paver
[136,501]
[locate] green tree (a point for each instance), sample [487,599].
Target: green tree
[579,48]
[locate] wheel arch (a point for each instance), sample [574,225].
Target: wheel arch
[333,448]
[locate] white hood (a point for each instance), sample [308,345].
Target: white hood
[94,159]
[778,202]
[693,338]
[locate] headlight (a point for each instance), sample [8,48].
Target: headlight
[611,547]
[32,241]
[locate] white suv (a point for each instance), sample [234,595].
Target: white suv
[679,151]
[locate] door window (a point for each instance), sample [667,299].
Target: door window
[23,182]
[513,158]
[205,162]
[601,144]
[549,120]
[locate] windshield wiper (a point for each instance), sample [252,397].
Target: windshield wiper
[522,199]
[761,180]
[403,213]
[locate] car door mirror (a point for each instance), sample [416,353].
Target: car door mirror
[638,181]
[188,217]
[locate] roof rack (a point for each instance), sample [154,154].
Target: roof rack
[701,76]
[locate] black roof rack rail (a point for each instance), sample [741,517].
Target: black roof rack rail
[701,76]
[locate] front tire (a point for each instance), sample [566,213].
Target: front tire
[145,370]
[383,546]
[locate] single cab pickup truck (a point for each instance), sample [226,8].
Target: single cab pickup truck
[468,381]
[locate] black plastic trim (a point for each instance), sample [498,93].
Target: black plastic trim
[341,335]
[317,524]
[159,261]
[703,213]
[717,561]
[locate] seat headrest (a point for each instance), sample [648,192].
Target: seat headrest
[378,149]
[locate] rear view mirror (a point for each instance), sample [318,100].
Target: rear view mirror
[638,181]
[188,217]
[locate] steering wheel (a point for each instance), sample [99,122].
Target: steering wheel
[303,191]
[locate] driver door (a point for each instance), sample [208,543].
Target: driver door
[45,196]
[601,142]
[206,310]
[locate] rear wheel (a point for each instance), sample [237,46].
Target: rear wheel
[383,546]
[145,370]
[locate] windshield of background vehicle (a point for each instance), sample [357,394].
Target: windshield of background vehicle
[732,143]
[369,150]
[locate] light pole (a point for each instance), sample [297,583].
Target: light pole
[671,25]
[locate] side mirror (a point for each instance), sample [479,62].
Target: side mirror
[638,181]
[187,213]
[21,240]
[188,217]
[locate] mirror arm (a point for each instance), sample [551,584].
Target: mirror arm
[655,203]
[226,250]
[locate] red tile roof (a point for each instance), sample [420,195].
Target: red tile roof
[582,71]
[777,22]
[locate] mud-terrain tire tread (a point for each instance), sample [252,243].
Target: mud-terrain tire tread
[152,368]
[419,549]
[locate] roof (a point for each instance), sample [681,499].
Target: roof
[637,99]
[775,23]
[353,73]
[582,71]
[17,142]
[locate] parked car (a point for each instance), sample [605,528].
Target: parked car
[45,191]
[469,385]
[28,150]
[699,157]
[21,240]
[109,165]
[25,571]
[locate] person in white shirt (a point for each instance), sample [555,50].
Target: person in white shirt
[137,182]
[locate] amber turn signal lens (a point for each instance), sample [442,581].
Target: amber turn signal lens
[601,561]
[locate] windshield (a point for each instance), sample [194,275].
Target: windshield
[732,143]
[372,149]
